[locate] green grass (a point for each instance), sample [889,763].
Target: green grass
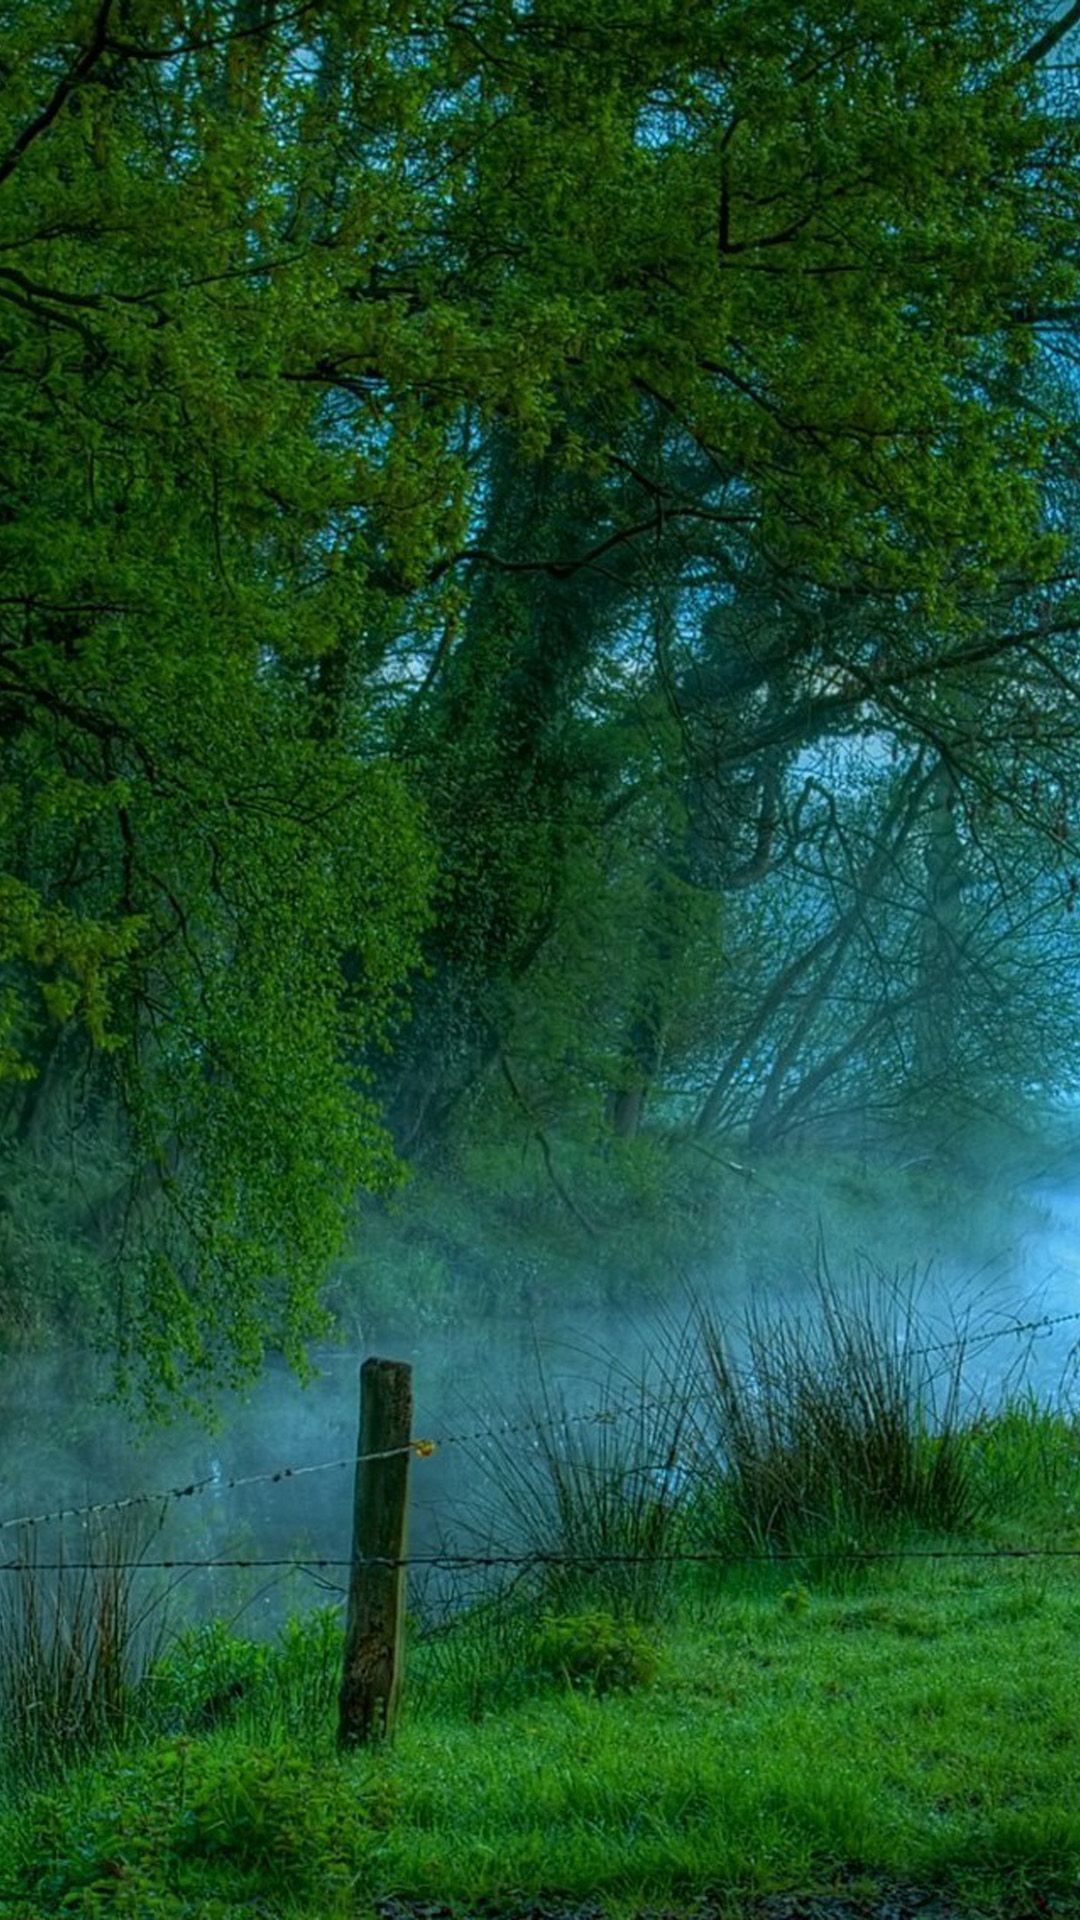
[928,1727]
[805,1726]
[924,1729]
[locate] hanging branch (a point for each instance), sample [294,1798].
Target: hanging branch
[544,1144]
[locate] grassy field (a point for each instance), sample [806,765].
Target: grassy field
[922,1727]
[803,1723]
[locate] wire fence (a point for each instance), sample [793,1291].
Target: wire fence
[462,1562]
[583,1518]
[274,1476]
[606,1413]
[972,1340]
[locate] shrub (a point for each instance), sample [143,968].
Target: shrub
[196,1818]
[211,1677]
[1025,1458]
[304,1669]
[595,1650]
[205,1677]
[267,1810]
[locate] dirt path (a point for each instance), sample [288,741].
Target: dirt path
[897,1903]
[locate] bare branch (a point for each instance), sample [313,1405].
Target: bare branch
[1053,36]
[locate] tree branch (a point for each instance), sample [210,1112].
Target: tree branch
[542,1142]
[73,78]
[1053,36]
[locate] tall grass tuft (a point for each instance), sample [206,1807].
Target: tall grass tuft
[1026,1460]
[837,1425]
[76,1642]
[603,1501]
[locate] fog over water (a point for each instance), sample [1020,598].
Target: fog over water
[63,1446]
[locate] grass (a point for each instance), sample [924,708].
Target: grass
[72,1641]
[925,1731]
[611,1485]
[915,1735]
[794,1721]
[839,1423]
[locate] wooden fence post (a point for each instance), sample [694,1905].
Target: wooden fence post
[375,1621]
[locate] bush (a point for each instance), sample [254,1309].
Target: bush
[211,1677]
[595,1650]
[1025,1460]
[266,1810]
[207,1675]
[304,1669]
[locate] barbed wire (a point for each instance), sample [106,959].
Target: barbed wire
[163,1495]
[604,1414]
[539,1558]
[969,1339]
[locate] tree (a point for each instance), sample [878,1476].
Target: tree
[300,309]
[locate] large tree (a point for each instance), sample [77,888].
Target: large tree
[300,307]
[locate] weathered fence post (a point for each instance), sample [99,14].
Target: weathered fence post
[375,1621]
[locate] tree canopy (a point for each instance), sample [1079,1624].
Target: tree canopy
[458,464]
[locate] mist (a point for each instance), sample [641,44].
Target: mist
[482,1371]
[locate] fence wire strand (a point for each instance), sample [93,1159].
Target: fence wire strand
[422,1449]
[604,1414]
[462,1562]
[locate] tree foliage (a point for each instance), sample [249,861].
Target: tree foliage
[453,464]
